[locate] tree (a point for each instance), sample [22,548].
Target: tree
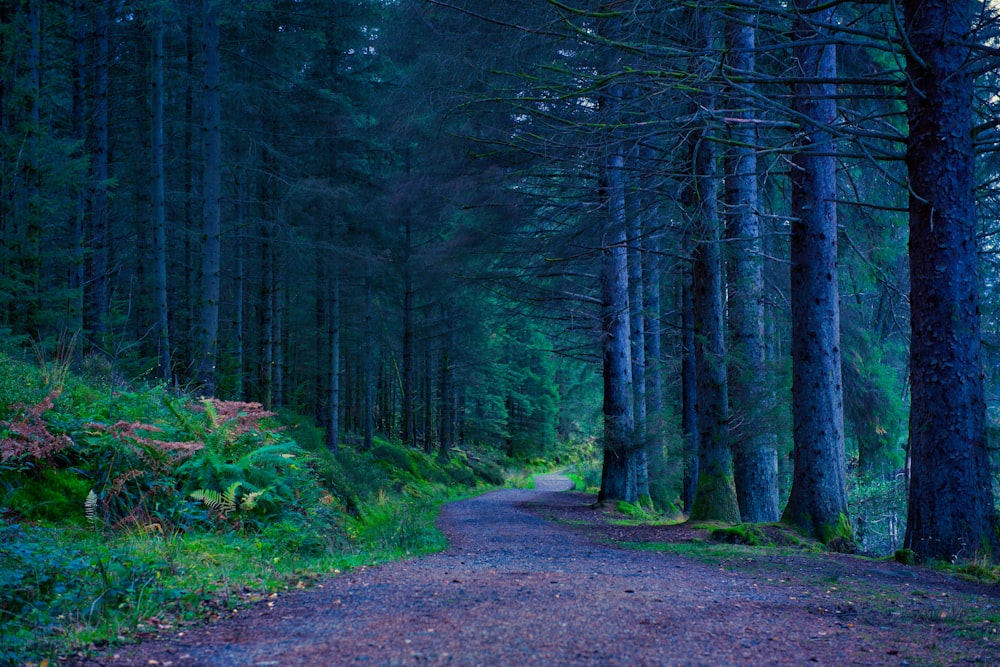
[211,238]
[951,513]
[159,190]
[715,492]
[817,502]
[754,451]
[618,477]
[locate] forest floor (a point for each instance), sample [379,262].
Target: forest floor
[539,578]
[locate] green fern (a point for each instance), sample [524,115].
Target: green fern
[224,503]
[229,501]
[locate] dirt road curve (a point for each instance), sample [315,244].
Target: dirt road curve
[516,589]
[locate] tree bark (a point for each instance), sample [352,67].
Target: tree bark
[637,325]
[96,268]
[211,241]
[689,395]
[333,364]
[818,500]
[715,493]
[159,194]
[408,417]
[79,119]
[755,455]
[368,370]
[951,514]
[618,476]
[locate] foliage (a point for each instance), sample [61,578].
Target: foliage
[878,509]
[197,507]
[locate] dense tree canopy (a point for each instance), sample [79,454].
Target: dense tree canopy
[676,230]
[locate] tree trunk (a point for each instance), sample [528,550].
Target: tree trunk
[818,500]
[159,194]
[267,317]
[280,310]
[652,312]
[408,417]
[96,267]
[689,395]
[333,332]
[211,255]
[447,397]
[239,295]
[637,326]
[368,371]
[79,117]
[618,476]
[951,514]
[715,493]
[755,454]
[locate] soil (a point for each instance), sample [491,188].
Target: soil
[538,578]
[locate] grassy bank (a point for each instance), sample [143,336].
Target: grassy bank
[128,510]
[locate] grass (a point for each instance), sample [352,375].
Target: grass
[68,590]
[103,537]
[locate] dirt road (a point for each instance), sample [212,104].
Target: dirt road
[517,589]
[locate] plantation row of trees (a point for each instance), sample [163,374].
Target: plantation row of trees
[456,220]
[259,201]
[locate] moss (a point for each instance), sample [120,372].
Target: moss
[51,495]
[839,536]
[741,533]
[715,499]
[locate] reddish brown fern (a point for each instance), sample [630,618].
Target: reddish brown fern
[28,434]
[133,434]
[246,417]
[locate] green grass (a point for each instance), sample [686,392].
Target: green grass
[109,534]
[70,589]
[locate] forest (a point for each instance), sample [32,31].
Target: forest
[745,250]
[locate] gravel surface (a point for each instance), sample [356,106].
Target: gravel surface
[515,588]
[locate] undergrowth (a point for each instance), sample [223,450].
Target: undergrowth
[132,509]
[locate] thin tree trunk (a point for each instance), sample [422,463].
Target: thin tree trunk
[96,272]
[267,318]
[408,417]
[31,173]
[447,396]
[211,255]
[368,372]
[652,312]
[79,116]
[637,326]
[951,512]
[333,399]
[159,195]
[818,500]
[278,339]
[755,454]
[689,395]
[239,316]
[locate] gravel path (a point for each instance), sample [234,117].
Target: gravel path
[516,589]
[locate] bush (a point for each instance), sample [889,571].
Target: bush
[489,472]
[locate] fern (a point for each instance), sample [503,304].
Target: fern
[225,503]
[90,508]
